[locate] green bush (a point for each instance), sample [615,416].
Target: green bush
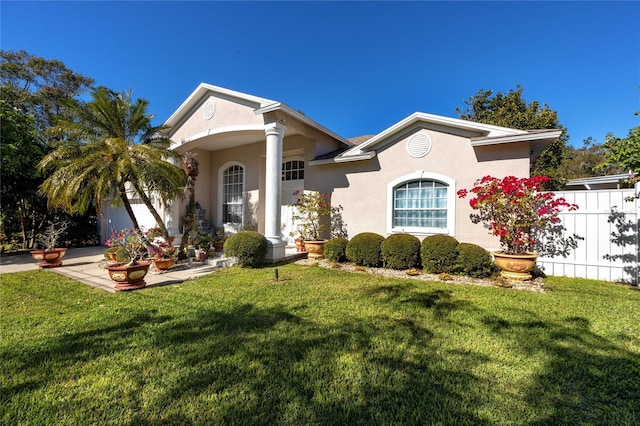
[400,251]
[364,249]
[439,254]
[475,261]
[108,251]
[249,247]
[336,250]
[122,255]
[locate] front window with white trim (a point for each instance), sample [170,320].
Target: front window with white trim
[422,203]
[232,195]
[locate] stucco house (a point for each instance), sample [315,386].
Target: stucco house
[254,153]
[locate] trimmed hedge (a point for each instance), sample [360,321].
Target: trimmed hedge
[439,254]
[364,249]
[400,251]
[249,247]
[475,261]
[336,250]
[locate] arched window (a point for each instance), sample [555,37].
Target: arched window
[293,170]
[422,203]
[232,194]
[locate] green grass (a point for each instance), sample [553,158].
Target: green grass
[318,347]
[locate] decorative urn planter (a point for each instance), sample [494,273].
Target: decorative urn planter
[129,277]
[515,266]
[163,264]
[315,248]
[49,258]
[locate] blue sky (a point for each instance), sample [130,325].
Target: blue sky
[354,67]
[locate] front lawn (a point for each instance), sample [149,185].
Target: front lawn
[317,347]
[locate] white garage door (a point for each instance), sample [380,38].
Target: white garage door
[118,219]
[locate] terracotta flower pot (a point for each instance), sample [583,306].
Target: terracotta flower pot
[129,277]
[515,266]
[163,264]
[49,258]
[315,248]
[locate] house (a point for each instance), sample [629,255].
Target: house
[254,153]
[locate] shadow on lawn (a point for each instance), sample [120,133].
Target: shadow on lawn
[242,364]
[257,366]
[586,380]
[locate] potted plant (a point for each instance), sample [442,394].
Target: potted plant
[163,255]
[128,269]
[50,256]
[523,218]
[202,243]
[313,216]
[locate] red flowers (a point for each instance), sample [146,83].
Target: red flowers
[524,218]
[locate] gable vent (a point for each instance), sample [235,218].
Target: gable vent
[419,145]
[209,109]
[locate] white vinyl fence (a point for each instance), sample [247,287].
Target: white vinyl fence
[609,226]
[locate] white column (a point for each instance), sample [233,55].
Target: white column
[273,190]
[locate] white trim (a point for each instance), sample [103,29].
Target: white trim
[451,204]
[300,117]
[221,130]
[530,137]
[484,129]
[221,171]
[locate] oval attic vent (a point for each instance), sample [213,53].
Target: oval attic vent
[419,145]
[209,109]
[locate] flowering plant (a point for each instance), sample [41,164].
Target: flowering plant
[161,250]
[129,241]
[525,219]
[315,218]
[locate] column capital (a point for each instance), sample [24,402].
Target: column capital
[275,129]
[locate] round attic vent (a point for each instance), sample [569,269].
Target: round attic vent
[419,145]
[209,109]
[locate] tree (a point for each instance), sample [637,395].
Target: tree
[36,86]
[20,151]
[584,162]
[624,152]
[32,90]
[111,151]
[511,110]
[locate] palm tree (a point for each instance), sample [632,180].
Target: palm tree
[111,150]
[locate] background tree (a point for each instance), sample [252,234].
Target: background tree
[511,110]
[20,151]
[31,92]
[584,162]
[111,152]
[36,86]
[625,153]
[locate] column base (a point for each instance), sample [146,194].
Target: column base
[275,250]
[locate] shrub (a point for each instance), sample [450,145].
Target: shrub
[439,253]
[400,251]
[336,250]
[475,261]
[364,249]
[249,247]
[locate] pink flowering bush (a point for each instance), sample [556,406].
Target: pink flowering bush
[520,215]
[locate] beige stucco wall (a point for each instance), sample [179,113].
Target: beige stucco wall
[361,187]
[228,113]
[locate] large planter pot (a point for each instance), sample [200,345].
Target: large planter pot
[315,248]
[163,264]
[49,258]
[515,266]
[129,277]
